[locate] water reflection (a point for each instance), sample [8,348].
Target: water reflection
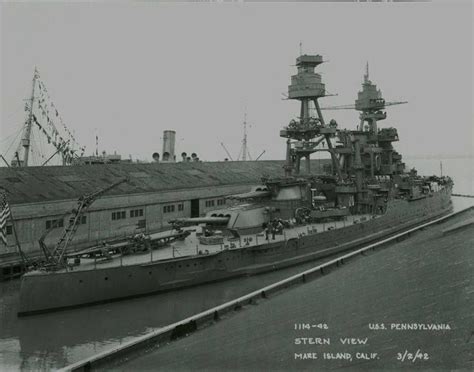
[54,340]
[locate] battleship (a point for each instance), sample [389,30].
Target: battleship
[365,195]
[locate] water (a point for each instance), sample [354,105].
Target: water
[54,340]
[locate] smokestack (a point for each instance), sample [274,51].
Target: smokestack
[169,139]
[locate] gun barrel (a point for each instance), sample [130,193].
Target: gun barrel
[250,195]
[198,220]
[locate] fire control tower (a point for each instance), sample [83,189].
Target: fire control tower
[306,132]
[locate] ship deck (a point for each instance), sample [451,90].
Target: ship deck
[191,246]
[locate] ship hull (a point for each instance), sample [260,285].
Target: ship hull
[50,291]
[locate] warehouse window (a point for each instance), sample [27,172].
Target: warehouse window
[136,213]
[82,220]
[181,207]
[209,203]
[118,215]
[9,229]
[54,223]
[168,208]
[220,201]
[141,224]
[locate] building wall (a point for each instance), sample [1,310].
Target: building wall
[30,219]
[39,194]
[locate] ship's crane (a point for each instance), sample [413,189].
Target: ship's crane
[55,257]
[227,151]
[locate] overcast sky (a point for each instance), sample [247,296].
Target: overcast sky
[130,71]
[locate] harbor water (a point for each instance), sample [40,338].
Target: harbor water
[49,341]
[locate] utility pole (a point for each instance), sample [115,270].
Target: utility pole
[244,141]
[25,141]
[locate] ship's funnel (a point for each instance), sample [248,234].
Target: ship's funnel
[169,139]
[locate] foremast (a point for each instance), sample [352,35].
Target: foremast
[307,132]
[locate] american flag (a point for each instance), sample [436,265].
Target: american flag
[4,214]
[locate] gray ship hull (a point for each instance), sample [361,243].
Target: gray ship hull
[50,291]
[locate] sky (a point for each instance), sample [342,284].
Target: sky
[126,72]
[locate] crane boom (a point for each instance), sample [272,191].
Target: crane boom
[227,152]
[55,258]
[258,157]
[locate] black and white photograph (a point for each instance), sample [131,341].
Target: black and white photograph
[236,185]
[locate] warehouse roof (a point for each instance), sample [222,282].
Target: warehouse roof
[39,184]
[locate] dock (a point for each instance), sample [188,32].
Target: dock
[458,226]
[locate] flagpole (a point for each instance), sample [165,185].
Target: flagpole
[27,132]
[22,255]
